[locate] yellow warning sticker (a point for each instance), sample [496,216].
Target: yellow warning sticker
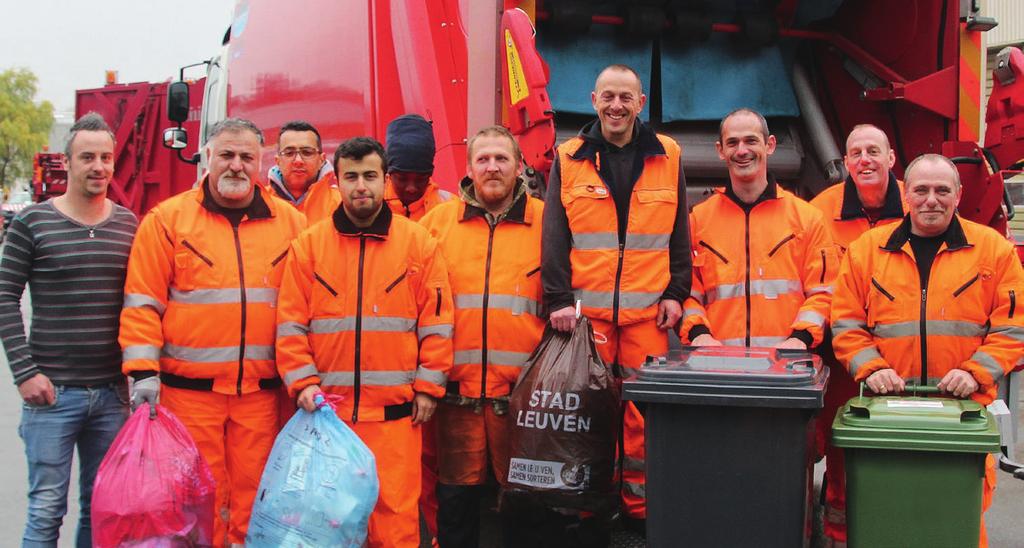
[517,88]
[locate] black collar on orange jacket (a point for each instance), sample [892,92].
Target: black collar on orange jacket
[646,139]
[955,237]
[257,209]
[853,208]
[378,229]
[770,192]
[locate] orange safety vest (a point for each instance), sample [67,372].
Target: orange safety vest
[620,282]
[759,275]
[970,318]
[200,294]
[844,212]
[366,314]
[432,197]
[495,277]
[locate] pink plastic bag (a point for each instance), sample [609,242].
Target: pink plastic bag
[153,487]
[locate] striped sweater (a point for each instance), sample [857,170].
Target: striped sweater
[76,279]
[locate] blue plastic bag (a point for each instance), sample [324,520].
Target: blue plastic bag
[318,488]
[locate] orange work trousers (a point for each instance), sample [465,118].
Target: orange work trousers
[428,495]
[628,346]
[987,492]
[397,447]
[841,387]
[234,434]
[468,441]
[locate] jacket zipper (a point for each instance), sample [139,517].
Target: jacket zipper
[1013,302]
[924,336]
[532,272]
[241,284]
[204,258]
[746,235]
[487,298]
[964,287]
[618,280]
[359,331]
[437,309]
[707,246]
[780,244]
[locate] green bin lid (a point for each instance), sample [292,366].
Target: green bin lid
[916,424]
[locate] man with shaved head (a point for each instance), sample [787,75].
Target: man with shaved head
[870,196]
[930,300]
[616,238]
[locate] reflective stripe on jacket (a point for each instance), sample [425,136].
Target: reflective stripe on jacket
[365,313]
[759,276]
[495,277]
[432,197]
[970,319]
[844,213]
[200,294]
[620,282]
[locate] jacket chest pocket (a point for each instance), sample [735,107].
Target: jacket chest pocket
[395,294]
[527,292]
[584,199]
[194,267]
[714,264]
[970,298]
[891,302]
[275,269]
[657,209]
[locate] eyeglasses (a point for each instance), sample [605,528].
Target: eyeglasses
[307,153]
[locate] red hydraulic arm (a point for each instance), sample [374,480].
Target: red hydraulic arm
[524,85]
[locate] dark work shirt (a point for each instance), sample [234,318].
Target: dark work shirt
[925,249]
[75,275]
[617,169]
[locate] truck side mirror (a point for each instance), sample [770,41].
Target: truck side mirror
[177,102]
[175,138]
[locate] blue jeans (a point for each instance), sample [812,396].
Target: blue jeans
[87,417]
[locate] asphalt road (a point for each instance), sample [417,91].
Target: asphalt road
[1005,526]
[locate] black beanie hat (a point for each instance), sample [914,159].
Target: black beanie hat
[410,144]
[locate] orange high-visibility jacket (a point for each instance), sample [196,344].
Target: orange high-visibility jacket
[365,313]
[759,276]
[320,200]
[970,318]
[620,282]
[844,212]
[495,277]
[432,197]
[200,293]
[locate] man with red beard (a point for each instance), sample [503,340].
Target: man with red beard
[199,319]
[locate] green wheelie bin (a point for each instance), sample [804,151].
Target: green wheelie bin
[914,468]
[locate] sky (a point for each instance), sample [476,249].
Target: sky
[70,44]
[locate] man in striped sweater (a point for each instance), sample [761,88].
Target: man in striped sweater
[73,253]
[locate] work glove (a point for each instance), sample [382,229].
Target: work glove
[146,390]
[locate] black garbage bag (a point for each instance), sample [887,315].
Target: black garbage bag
[565,413]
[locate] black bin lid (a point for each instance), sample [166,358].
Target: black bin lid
[731,376]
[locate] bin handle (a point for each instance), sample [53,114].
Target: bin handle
[912,389]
